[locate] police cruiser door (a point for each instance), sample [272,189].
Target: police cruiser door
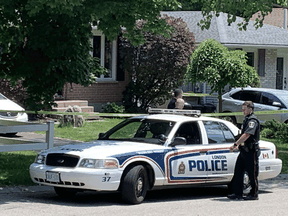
[187,163]
[221,161]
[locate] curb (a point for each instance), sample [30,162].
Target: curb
[21,189]
[42,188]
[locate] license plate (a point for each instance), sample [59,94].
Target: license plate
[53,176]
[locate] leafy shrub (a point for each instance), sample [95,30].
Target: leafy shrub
[113,108]
[275,129]
[157,66]
[267,133]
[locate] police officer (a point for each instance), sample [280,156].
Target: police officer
[178,94]
[247,160]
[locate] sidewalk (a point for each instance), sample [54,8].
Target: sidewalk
[34,137]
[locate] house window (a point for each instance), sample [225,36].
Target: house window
[250,58]
[106,51]
[261,62]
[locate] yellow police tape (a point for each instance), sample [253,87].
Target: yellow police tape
[131,114]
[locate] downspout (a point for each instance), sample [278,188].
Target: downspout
[285,19]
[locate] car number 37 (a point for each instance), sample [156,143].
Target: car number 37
[150,152]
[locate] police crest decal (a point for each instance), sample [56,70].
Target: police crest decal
[181,168]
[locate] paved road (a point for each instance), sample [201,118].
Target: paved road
[32,201]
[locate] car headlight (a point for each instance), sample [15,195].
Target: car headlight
[40,159]
[99,163]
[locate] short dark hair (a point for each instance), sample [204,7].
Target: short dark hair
[177,92]
[249,104]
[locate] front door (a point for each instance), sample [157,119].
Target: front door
[188,163]
[279,73]
[221,161]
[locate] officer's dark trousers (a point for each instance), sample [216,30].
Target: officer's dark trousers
[246,161]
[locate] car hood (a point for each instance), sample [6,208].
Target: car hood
[10,105]
[104,148]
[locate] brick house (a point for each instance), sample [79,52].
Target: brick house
[278,17]
[266,47]
[107,88]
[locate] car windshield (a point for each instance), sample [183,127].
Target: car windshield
[284,98]
[140,130]
[2,97]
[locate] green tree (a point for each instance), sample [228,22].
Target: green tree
[157,66]
[245,8]
[46,43]
[213,63]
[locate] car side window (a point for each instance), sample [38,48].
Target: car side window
[227,133]
[268,99]
[214,132]
[190,131]
[236,95]
[250,96]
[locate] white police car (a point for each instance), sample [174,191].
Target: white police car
[148,152]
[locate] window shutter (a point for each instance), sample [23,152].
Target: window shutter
[261,62]
[120,58]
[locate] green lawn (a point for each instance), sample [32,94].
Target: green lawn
[88,132]
[14,166]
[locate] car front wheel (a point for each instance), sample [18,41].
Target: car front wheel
[135,185]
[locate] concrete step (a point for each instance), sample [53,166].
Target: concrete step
[86,109]
[66,103]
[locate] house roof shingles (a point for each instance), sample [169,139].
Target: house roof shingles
[219,30]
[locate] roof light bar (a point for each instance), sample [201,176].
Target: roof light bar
[174,111]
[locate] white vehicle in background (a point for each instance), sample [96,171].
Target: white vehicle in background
[149,152]
[6,106]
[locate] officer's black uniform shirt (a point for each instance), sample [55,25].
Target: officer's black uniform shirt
[171,104]
[251,126]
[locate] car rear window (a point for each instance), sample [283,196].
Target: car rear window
[247,96]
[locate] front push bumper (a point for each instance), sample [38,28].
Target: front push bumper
[80,178]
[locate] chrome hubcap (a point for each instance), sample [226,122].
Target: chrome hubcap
[139,185]
[246,179]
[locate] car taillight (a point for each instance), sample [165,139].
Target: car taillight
[276,152]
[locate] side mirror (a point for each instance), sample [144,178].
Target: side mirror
[162,138]
[178,141]
[101,136]
[276,104]
[238,135]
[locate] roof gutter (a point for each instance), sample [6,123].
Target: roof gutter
[255,45]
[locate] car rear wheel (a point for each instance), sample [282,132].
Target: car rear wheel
[65,192]
[246,185]
[135,185]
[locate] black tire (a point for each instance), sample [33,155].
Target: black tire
[65,192]
[135,185]
[246,185]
